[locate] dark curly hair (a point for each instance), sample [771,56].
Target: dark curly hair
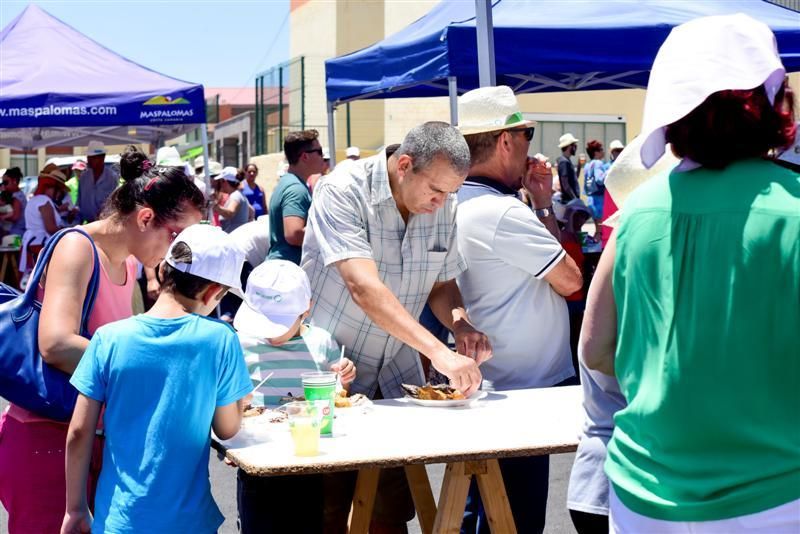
[593,146]
[165,190]
[733,125]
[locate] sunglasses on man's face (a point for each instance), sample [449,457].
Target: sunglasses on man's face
[312,150]
[528,132]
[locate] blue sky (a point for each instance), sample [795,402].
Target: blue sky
[219,43]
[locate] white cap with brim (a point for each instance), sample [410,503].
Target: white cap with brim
[95,148]
[352,152]
[228,174]
[215,256]
[702,57]
[278,293]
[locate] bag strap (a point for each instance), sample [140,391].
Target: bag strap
[44,260]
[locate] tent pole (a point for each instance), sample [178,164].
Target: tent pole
[452,87]
[485,35]
[331,134]
[206,168]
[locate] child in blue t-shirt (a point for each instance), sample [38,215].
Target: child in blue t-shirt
[166,378]
[276,340]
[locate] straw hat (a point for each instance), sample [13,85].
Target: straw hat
[566,140]
[489,109]
[96,148]
[700,58]
[53,173]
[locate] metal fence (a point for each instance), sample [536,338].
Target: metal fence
[280,104]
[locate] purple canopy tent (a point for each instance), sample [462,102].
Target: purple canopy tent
[58,87]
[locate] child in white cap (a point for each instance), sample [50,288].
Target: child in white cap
[276,340]
[167,378]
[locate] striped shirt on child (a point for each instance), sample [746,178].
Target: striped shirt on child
[313,350]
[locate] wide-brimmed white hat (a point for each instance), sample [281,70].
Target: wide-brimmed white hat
[214,168]
[198,162]
[215,256]
[566,140]
[700,58]
[95,148]
[616,144]
[489,109]
[278,292]
[168,156]
[628,172]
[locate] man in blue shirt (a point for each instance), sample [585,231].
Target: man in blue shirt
[166,377]
[96,183]
[291,199]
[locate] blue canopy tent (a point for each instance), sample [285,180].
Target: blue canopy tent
[58,87]
[540,46]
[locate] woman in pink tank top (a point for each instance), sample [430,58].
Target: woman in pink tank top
[140,220]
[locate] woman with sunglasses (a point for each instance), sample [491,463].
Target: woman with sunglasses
[139,221]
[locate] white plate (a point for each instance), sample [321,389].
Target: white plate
[448,403]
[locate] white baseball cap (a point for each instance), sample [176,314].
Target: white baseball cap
[278,292]
[168,156]
[95,148]
[228,174]
[352,151]
[215,256]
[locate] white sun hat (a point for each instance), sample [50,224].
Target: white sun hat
[489,109]
[278,293]
[95,148]
[168,156]
[215,256]
[352,151]
[566,140]
[702,57]
[214,168]
[616,144]
[198,162]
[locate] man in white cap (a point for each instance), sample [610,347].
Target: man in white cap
[567,173]
[353,153]
[615,148]
[381,241]
[96,183]
[516,279]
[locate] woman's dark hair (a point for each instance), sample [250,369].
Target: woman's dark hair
[165,190]
[240,175]
[251,165]
[733,125]
[13,172]
[592,147]
[175,281]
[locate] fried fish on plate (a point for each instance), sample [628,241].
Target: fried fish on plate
[433,392]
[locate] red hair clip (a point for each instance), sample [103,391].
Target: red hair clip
[150,183]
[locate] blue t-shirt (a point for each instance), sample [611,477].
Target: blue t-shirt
[255,196]
[161,380]
[291,198]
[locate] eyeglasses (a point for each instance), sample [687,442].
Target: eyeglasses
[312,150]
[528,132]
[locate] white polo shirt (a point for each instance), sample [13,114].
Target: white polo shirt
[508,252]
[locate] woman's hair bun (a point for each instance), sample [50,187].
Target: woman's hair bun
[132,163]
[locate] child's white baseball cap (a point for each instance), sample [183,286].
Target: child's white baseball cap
[215,256]
[278,292]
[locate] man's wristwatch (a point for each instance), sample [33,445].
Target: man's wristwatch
[544,212]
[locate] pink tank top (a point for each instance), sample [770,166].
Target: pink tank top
[113,303]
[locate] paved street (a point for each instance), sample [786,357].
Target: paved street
[223,484]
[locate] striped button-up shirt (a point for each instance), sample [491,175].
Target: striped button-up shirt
[354,215]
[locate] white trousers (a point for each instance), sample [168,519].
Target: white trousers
[783,519]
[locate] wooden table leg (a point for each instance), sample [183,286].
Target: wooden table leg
[363,501]
[15,270]
[3,267]
[495,500]
[423,496]
[453,499]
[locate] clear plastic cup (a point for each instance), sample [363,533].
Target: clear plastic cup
[304,425]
